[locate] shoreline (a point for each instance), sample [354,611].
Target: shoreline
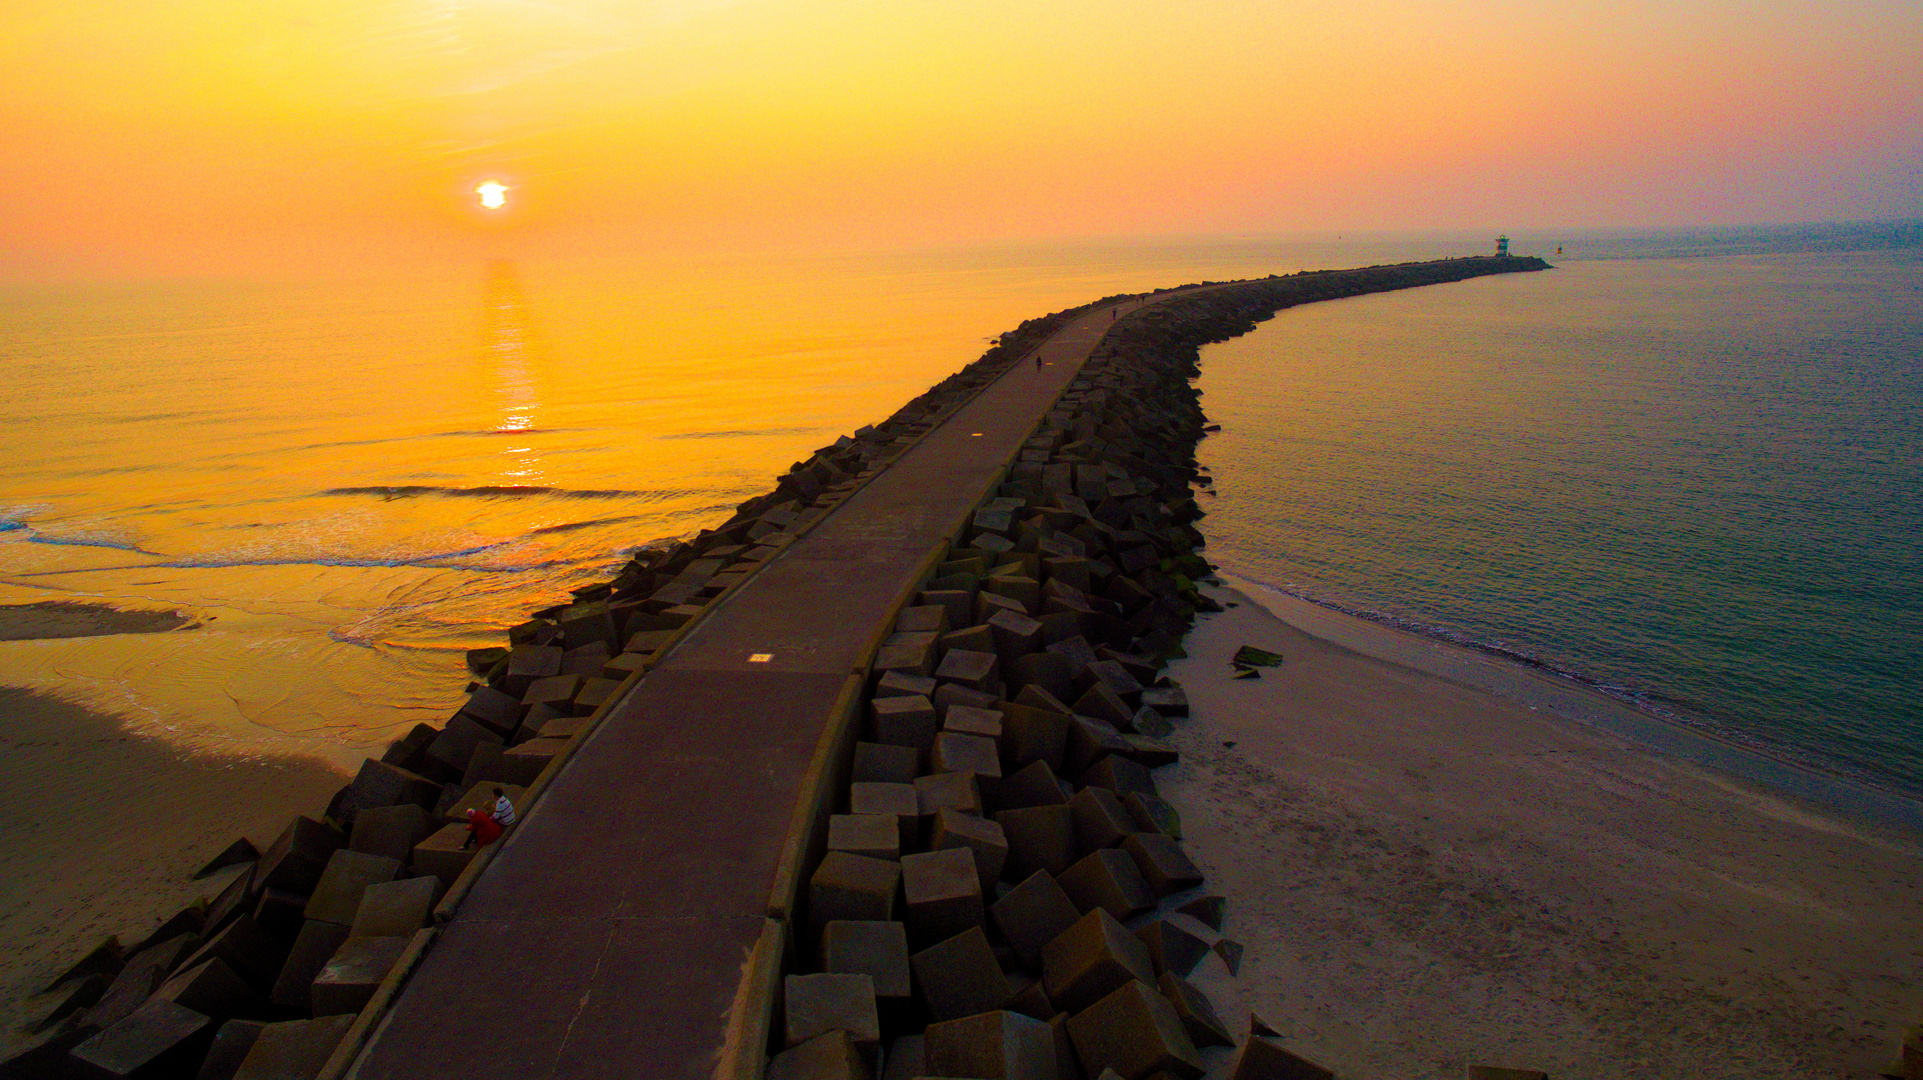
[1575,700]
[116,824]
[1428,873]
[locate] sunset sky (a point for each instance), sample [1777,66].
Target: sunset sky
[216,135]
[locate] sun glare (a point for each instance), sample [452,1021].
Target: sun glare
[493,194]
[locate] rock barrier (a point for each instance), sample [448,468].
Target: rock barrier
[994,889]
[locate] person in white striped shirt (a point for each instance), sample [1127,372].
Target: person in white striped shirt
[503,809]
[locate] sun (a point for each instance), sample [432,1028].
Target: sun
[493,194]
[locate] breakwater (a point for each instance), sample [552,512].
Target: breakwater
[993,690]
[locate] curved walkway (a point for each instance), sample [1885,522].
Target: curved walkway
[609,937]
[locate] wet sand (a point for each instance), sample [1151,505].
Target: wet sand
[103,830]
[1429,873]
[68,619]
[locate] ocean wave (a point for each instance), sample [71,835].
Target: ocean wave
[590,523]
[768,432]
[487,491]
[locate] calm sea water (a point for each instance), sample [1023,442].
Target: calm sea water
[1697,483]
[1692,478]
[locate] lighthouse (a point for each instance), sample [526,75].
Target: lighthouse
[1502,247]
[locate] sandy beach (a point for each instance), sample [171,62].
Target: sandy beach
[105,827]
[1429,873]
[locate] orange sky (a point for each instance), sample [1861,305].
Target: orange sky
[282,134]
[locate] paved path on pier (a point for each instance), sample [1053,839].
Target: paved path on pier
[607,938]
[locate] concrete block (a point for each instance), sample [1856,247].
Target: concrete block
[1231,953]
[338,894]
[1205,909]
[156,1039]
[1032,914]
[142,975]
[1152,814]
[1107,879]
[953,752]
[1043,669]
[959,977]
[1091,959]
[1015,636]
[1164,866]
[1000,1045]
[210,988]
[484,766]
[294,1050]
[396,908]
[1032,785]
[313,947]
[988,603]
[294,861]
[880,763]
[380,784]
[1077,652]
[832,1056]
[831,1001]
[1147,721]
[899,801]
[853,887]
[595,692]
[1089,741]
[1136,1032]
[586,660]
[620,667]
[1021,588]
[1060,625]
[960,604]
[1120,775]
[1039,838]
[443,853]
[974,670]
[953,696]
[1036,696]
[1103,704]
[555,690]
[526,663]
[869,947]
[232,1041]
[877,836]
[969,720]
[1029,997]
[930,618]
[1030,734]
[1119,680]
[1171,949]
[1198,1016]
[234,900]
[916,658]
[906,1059]
[903,684]
[544,719]
[984,838]
[1167,700]
[498,712]
[353,973]
[1100,819]
[950,791]
[1151,753]
[480,797]
[248,949]
[106,958]
[648,641]
[903,721]
[524,764]
[971,638]
[943,893]
[392,831]
[451,749]
[1265,1059]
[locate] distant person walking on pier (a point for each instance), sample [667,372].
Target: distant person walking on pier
[503,809]
[1038,361]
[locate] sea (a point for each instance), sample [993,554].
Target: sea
[1684,468]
